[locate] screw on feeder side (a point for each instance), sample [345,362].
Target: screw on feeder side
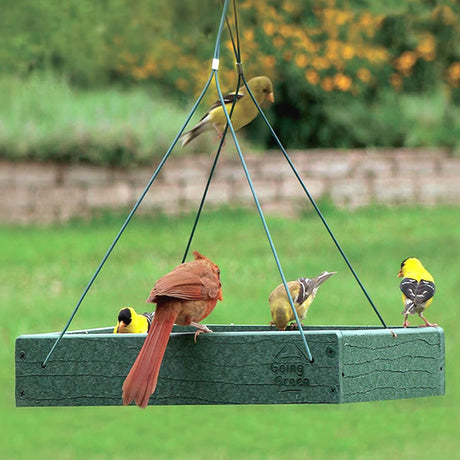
[330,351]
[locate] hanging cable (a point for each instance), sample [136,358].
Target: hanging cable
[239,65]
[315,206]
[264,223]
[214,67]
[235,45]
[236,50]
[208,183]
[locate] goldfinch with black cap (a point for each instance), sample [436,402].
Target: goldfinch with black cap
[131,322]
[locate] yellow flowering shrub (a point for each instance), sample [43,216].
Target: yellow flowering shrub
[327,44]
[322,55]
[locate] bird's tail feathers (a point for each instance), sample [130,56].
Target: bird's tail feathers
[201,127]
[142,378]
[409,307]
[149,316]
[309,286]
[320,279]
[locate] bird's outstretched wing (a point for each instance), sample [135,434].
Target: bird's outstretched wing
[417,291]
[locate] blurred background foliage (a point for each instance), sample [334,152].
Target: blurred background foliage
[347,74]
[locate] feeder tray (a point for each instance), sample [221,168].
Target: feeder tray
[236,365]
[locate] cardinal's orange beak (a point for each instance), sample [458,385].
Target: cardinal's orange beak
[271,97]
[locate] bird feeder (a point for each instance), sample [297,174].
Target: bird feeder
[234,364]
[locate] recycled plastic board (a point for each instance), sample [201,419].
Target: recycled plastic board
[236,365]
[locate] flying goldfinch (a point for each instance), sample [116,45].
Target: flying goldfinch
[303,292]
[184,296]
[131,322]
[244,112]
[417,288]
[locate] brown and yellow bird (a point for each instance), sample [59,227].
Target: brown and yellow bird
[131,322]
[184,296]
[303,292]
[417,287]
[244,112]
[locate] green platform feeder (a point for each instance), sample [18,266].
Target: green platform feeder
[236,365]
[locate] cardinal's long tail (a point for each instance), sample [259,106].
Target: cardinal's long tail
[142,378]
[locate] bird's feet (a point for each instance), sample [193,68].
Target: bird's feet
[428,324]
[406,323]
[220,134]
[200,328]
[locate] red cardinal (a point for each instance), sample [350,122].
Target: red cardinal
[184,296]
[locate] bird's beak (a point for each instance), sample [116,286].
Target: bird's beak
[271,97]
[121,325]
[400,275]
[220,296]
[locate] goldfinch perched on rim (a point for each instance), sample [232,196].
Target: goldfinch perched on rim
[303,292]
[244,112]
[417,288]
[131,322]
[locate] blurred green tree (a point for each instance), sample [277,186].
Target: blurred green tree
[341,69]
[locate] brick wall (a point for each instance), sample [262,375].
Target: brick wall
[46,193]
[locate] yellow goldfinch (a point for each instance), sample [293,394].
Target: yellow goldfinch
[244,112]
[417,288]
[131,322]
[303,292]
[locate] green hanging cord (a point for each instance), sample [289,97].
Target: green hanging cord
[236,46]
[256,200]
[221,143]
[208,183]
[214,67]
[315,206]
[128,220]
[264,222]
[239,66]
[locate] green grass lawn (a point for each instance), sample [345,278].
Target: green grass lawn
[43,271]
